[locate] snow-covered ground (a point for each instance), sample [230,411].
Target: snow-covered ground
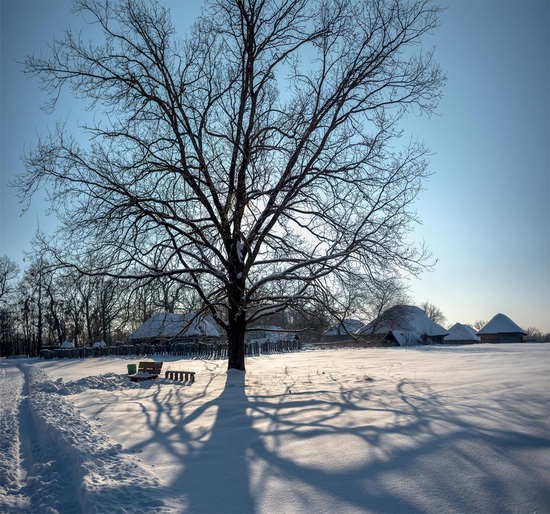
[425,429]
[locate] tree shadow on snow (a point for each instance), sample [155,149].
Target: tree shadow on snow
[215,476]
[392,447]
[213,457]
[418,453]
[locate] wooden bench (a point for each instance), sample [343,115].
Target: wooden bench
[146,371]
[184,376]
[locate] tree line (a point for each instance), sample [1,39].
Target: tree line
[45,304]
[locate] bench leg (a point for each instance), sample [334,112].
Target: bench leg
[182,376]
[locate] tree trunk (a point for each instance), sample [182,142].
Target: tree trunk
[236,328]
[236,347]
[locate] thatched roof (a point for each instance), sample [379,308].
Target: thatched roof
[170,326]
[408,324]
[343,328]
[501,324]
[405,318]
[460,332]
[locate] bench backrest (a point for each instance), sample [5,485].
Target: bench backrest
[150,367]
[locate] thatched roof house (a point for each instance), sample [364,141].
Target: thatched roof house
[170,327]
[461,334]
[403,325]
[269,333]
[501,329]
[342,331]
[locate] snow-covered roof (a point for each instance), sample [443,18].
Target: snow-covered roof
[272,329]
[348,326]
[67,344]
[405,318]
[460,332]
[501,324]
[272,333]
[99,344]
[406,337]
[170,325]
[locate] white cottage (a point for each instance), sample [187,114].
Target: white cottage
[171,327]
[461,334]
[501,329]
[342,331]
[403,325]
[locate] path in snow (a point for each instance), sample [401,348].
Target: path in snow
[33,474]
[43,470]
[55,461]
[12,498]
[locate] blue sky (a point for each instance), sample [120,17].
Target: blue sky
[485,210]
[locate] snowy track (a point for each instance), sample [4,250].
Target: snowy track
[43,470]
[55,461]
[12,498]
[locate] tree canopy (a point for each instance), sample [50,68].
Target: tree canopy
[258,160]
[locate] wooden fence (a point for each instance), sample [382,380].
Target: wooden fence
[191,350]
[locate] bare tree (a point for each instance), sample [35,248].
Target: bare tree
[534,334]
[257,161]
[383,305]
[479,324]
[8,273]
[32,299]
[433,312]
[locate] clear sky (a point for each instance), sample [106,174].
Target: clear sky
[486,209]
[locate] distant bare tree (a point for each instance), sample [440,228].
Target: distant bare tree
[32,298]
[257,162]
[535,335]
[433,312]
[384,298]
[8,273]
[479,324]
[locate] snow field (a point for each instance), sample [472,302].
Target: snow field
[424,429]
